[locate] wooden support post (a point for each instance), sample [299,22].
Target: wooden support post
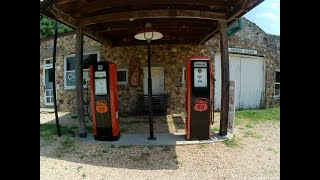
[225,80]
[79,82]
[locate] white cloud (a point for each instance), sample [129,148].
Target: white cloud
[271,4]
[268,15]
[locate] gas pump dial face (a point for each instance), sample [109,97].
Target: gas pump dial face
[200,77]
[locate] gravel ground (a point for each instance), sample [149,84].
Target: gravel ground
[255,156]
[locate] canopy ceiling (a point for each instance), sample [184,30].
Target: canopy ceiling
[115,22]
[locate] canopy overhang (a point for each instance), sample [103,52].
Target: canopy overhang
[115,22]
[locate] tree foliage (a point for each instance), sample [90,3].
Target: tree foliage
[47,27]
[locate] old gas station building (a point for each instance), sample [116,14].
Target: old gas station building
[105,31]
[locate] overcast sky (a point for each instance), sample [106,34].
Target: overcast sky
[267,16]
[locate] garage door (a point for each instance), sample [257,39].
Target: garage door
[248,72]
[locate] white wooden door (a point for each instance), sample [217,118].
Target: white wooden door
[248,72]
[157,75]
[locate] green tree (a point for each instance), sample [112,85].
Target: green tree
[47,27]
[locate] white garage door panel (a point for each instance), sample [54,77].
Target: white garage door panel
[252,83]
[234,65]
[248,72]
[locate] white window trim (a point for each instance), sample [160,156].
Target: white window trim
[276,96]
[183,75]
[65,68]
[123,82]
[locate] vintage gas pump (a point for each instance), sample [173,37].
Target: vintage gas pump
[199,100]
[104,101]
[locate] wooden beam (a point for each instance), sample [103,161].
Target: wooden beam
[44,5]
[72,22]
[214,30]
[225,79]
[79,82]
[99,5]
[60,2]
[145,14]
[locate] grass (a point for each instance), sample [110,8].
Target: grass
[273,150]
[249,125]
[250,117]
[166,148]
[252,134]
[68,142]
[234,142]
[200,146]
[215,129]
[271,114]
[47,131]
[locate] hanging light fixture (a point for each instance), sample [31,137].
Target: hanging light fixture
[148,34]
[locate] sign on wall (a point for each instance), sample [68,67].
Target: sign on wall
[234,27]
[232,99]
[243,51]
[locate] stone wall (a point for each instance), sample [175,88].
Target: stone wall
[65,46]
[171,57]
[253,37]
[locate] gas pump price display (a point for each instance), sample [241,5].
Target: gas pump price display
[200,74]
[101,86]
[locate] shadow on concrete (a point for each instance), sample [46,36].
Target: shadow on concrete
[68,148]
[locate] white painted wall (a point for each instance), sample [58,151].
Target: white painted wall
[249,74]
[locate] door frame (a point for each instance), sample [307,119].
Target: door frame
[46,66]
[155,68]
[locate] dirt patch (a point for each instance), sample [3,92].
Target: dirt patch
[256,156]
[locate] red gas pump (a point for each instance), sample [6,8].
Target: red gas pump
[104,101]
[199,97]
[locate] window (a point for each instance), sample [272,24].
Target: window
[69,74]
[48,61]
[277,85]
[122,76]
[183,74]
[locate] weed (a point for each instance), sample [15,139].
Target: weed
[249,125]
[231,142]
[78,168]
[252,134]
[166,148]
[84,175]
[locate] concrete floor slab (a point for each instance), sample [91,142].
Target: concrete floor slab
[162,139]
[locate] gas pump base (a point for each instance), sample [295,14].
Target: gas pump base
[104,134]
[106,138]
[197,138]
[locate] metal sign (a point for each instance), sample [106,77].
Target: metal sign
[200,64]
[243,51]
[201,104]
[101,106]
[234,27]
